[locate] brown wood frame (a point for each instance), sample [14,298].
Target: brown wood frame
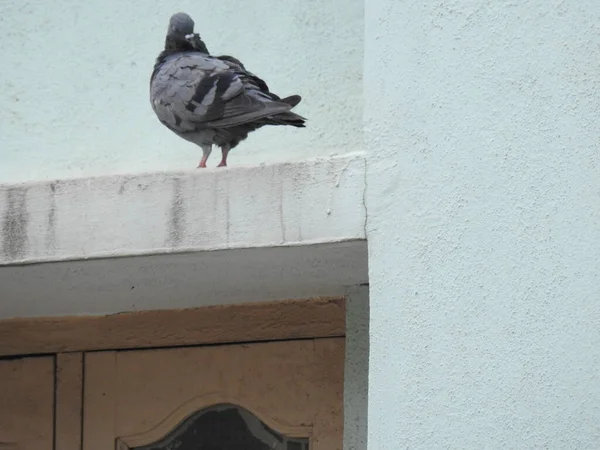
[26,403]
[68,408]
[197,404]
[295,387]
[249,322]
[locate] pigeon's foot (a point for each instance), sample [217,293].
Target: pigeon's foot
[224,152]
[205,154]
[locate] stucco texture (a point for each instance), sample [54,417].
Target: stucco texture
[483,196]
[75,75]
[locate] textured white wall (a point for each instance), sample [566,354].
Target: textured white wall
[483,196]
[74,81]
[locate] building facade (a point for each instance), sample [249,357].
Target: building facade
[418,268]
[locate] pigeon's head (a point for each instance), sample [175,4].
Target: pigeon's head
[181,36]
[180,25]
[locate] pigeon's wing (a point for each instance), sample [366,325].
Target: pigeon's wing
[192,89]
[237,66]
[189,88]
[246,108]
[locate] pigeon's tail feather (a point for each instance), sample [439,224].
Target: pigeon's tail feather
[287,118]
[292,100]
[268,110]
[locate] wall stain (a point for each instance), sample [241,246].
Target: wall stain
[176,215]
[281,218]
[51,221]
[14,224]
[227,216]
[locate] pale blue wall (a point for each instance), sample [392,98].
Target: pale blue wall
[74,81]
[483,134]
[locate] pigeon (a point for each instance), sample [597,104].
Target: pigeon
[211,100]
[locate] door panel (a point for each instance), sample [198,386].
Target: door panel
[27,403]
[292,388]
[220,426]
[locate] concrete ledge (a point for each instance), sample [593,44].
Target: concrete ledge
[290,204]
[109,286]
[177,240]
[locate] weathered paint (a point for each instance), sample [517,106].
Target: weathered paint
[311,214]
[15,221]
[301,203]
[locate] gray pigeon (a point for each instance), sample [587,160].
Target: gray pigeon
[211,99]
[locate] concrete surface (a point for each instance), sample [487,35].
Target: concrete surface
[298,229]
[482,126]
[75,82]
[301,203]
[112,285]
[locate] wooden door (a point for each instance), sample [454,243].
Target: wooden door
[284,395]
[27,403]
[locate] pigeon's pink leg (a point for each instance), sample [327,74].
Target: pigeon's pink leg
[205,154]
[224,152]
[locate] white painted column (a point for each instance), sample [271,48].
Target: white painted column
[356,373]
[483,196]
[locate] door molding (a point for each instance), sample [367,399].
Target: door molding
[249,322]
[197,404]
